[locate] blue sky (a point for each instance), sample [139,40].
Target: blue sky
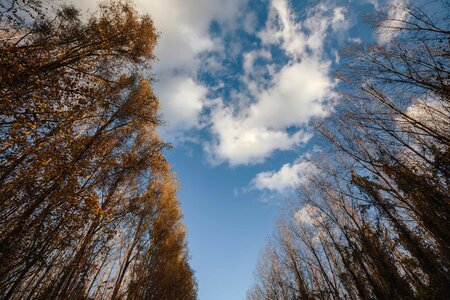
[239,81]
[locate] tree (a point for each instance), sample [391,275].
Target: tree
[83,178]
[376,224]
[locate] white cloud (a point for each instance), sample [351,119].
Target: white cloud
[397,13]
[250,21]
[182,101]
[295,96]
[308,215]
[340,22]
[294,93]
[184,27]
[282,29]
[250,58]
[429,111]
[425,115]
[184,32]
[288,177]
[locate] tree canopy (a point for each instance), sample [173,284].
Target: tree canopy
[88,205]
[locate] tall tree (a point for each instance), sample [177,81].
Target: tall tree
[86,195]
[373,222]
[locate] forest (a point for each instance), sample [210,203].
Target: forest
[88,200]
[372,221]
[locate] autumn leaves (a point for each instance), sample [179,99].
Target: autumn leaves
[88,201]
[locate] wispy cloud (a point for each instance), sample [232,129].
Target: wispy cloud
[279,98]
[282,82]
[397,14]
[184,26]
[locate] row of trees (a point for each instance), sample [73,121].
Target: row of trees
[373,220]
[88,205]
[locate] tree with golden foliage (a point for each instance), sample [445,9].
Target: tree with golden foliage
[88,205]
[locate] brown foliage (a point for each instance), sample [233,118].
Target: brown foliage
[86,195]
